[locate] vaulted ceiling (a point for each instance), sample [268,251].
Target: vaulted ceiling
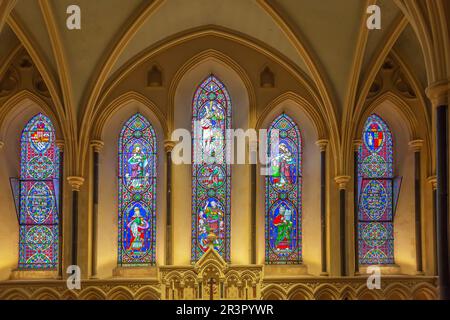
[325,39]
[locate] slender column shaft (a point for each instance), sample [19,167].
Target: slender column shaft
[95,214]
[435,231]
[355,210]
[342,231]
[442,201]
[97,146]
[60,211]
[253,212]
[323,212]
[75,182]
[417,204]
[322,144]
[169,258]
[74,227]
[168,146]
[342,182]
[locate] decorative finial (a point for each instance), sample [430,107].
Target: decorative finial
[211,238]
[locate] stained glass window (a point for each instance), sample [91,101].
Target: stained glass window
[376,189]
[211,173]
[283,193]
[137,193]
[38,200]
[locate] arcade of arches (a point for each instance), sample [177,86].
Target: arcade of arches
[359,179]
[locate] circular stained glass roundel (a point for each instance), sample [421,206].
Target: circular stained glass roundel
[211,176]
[39,202]
[40,167]
[374,166]
[39,237]
[376,233]
[374,199]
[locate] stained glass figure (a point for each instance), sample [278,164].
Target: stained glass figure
[137,193]
[376,208]
[38,206]
[211,173]
[283,193]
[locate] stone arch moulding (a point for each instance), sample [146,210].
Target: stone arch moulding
[375,70]
[415,127]
[306,53]
[401,107]
[224,33]
[42,66]
[194,61]
[314,114]
[273,292]
[14,103]
[309,109]
[300,291]
[107,128]
[107,112]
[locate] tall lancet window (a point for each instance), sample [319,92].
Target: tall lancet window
[211,172]
[38,193]
[283,193]
[377,190]
[137,193]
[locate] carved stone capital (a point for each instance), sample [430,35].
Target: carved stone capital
[169,145]
[75,182]
[438,93]
[342,181]
[97,145]
[60,144]
[415,145]
[433,181]
[253,145]
[357,144]
[322,144]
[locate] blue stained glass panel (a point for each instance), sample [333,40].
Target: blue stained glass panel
[283,194]
[211,174]
[137,193]
[38,193]
[376,194]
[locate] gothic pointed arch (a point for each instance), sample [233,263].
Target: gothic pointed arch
[211,172]
[37,196]
[137,192]
[377,190]
[283,193]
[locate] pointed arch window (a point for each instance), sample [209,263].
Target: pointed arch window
[38,191]
[377,192]
[137,193]
[211,173]
[284,194]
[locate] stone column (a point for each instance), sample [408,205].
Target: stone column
[75,182]
[253,156]
[168,147]
[433,181]
[60,145]
[416,146]
[322,144]
[97,146]
[342,183]
[438,94]
[356,146]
